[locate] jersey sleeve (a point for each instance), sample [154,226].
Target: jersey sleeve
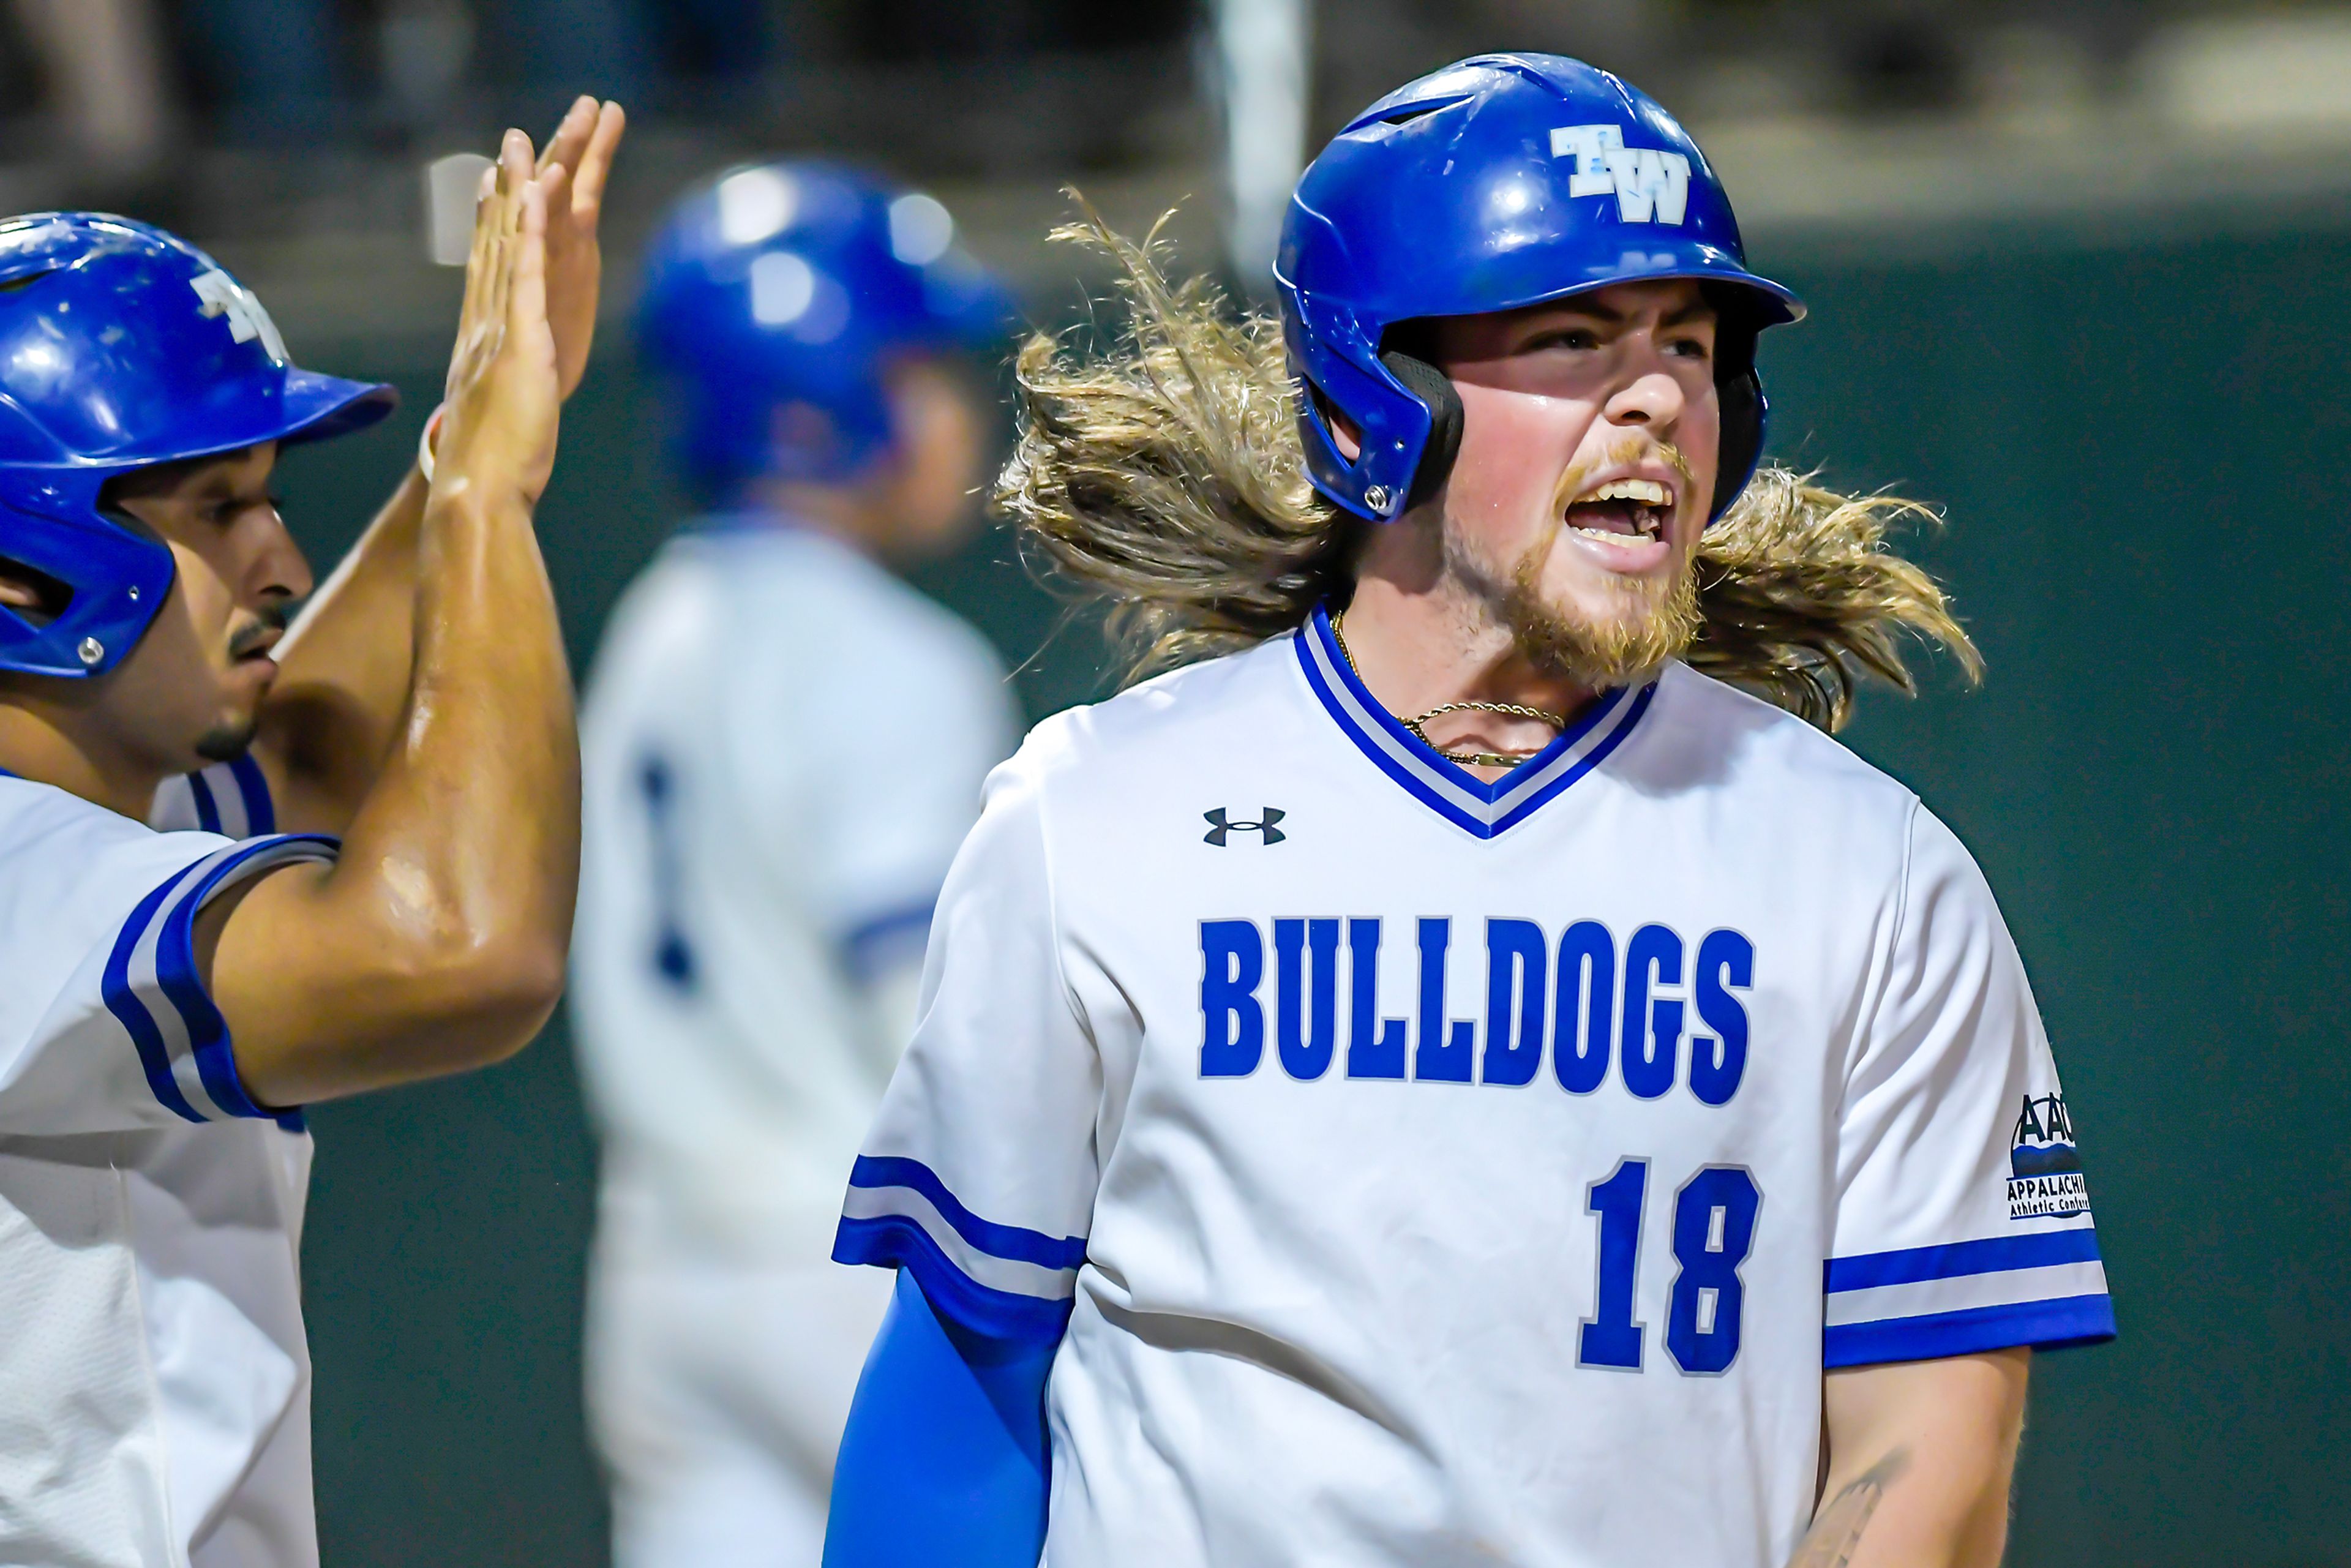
[1963,1217]
[108,1027]
[231,799]
[875,842]
[979,1172]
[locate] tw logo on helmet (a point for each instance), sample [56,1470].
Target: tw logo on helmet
[1651,186]
[224,296]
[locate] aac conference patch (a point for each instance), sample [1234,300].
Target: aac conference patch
[2045,1179]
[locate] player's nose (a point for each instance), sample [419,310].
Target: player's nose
[1650,396]
[279,569]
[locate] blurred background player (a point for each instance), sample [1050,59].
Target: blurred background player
[783,746]
[170,999]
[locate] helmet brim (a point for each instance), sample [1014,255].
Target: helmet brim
[319,408]
[1774,304]
[308,407]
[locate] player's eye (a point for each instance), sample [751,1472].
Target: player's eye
[1697,349]
[225,513]
[1580,340]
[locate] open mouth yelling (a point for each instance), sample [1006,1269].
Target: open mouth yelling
[1623,511]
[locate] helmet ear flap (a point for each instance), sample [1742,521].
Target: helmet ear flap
[1743,411]
[1434,388]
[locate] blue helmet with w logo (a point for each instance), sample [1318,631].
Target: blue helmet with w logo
[122,347]
[1500,181]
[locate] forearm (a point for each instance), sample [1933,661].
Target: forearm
[436,942]
[344,672]
[468,842]
[1920,1457]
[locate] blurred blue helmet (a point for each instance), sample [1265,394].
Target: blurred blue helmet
[1504,181]
[776,298]
[122,347]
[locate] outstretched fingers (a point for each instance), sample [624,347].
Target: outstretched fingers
[477,259]
[571,136]
[595,163]
[515,168]
[554,182]
[526,303]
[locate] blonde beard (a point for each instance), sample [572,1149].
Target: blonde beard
[1652,620]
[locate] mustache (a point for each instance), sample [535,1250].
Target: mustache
[269,621]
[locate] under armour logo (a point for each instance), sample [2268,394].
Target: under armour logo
[224,296]
[1218,827]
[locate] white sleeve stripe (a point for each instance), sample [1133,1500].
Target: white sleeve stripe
[1007,1274]
[2008,1287]
[253,796]
[228,799]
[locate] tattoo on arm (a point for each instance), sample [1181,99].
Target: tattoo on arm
[1836,1529]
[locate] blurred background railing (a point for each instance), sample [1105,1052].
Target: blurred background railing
[288,134]
[2077,272]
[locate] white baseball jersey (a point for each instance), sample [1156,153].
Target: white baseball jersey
[1424,1171]
[782,746]
[157,1386]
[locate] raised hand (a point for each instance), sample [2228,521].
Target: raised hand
[584,144]
[504,392]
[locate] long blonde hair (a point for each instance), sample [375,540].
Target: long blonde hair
[1167,477]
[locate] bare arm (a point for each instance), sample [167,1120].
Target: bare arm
[345,669]
[1920,1454]
[437,941]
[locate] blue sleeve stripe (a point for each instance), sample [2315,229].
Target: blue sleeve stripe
[260,816]
[175,964]
[892,1241]
[207,809]
[1994,1255]
[114,985]
[1009,1241]
[2044,1325]
[866,947]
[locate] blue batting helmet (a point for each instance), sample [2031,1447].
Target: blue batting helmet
[122,347]
[777,295]
[1504,181]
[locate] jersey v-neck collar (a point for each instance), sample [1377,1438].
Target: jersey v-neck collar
[1451,791]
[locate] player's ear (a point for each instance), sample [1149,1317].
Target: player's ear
[35,595]
[1344,436]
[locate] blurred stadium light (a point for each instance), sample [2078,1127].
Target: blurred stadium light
[452,187]
[1264,67]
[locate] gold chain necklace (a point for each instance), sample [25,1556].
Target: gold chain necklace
[1464,758]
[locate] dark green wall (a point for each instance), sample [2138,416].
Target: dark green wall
[2141,445]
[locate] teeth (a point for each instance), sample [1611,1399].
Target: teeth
[1646,526]
[1648,492]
